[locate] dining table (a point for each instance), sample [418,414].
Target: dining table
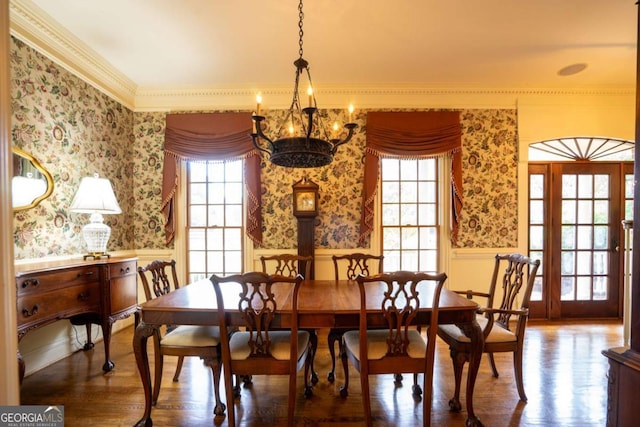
[321,304]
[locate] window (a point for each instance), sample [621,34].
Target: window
[410,214]
[215,218]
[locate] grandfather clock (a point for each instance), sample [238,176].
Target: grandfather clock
[305,209]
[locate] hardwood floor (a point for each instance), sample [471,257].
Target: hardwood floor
[565,380]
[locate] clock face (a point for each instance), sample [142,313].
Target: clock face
[305,201]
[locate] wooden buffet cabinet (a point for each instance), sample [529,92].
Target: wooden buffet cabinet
[86,292]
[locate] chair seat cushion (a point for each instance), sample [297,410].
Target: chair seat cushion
[497,334]
[377,343]
[280,344]
[192,336]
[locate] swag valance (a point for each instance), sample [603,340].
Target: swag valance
[210,136]
[412,135]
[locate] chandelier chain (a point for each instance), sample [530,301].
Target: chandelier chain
[300,32]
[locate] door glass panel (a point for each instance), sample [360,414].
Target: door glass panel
[567,288]
[585,211]
[568,237]
[584,237]
[585,186]
[568,186]
[568,211]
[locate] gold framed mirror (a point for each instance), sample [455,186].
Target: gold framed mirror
[31,182]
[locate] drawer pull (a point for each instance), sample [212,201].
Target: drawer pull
[82,296]
[27,313]
[30,282]
[88,273]
[125,270]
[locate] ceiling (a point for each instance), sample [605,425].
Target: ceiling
[250,45]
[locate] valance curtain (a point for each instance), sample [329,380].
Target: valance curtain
[211,136]
[412,135]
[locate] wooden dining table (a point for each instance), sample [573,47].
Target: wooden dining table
[321,304]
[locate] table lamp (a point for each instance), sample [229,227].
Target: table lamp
[95,196]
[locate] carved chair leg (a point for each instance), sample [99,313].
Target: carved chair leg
[176,375]
[458,360]
[332,338]
[308,363]
[216,370]
[517,367]
[416,390]
[313,337]
[344,390]
[157,381]
[492,362]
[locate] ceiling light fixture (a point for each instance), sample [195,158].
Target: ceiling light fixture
[302,140]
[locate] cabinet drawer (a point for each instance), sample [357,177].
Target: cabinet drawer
[72,300]
[46,282]
[122,268]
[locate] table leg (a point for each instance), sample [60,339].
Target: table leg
[140,337]
[474,332]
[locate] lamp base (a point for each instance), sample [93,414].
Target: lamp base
[96,255]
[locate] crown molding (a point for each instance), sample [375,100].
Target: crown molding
[35,28]
[392,96]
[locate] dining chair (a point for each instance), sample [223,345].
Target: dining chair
[352,265]
[258,349]
[159,278]
[399,346]
[500,333]
[291,265]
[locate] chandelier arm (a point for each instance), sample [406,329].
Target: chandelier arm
[309,112]
[260,134]
[336,143]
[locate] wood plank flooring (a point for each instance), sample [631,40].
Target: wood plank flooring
[565,380]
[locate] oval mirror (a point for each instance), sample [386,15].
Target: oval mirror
[31,182]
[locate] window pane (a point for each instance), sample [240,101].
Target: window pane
[569,186]
[409,214]
[390,169]
[585,187]
[409,192]
[601,212]
[390,192]
[536,186]
[601,190]
[536,212]
[585,211]
[390,214]
[568,211]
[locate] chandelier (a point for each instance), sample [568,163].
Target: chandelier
[302,140]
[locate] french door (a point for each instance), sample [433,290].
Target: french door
[575,214]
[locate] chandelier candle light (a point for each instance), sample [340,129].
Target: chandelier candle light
[95,196]
[302,140]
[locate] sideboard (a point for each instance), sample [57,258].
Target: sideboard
[86,292]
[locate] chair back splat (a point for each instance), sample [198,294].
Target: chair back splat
[288,265]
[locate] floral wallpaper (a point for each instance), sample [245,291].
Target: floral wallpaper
[74,130]
[489,179]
